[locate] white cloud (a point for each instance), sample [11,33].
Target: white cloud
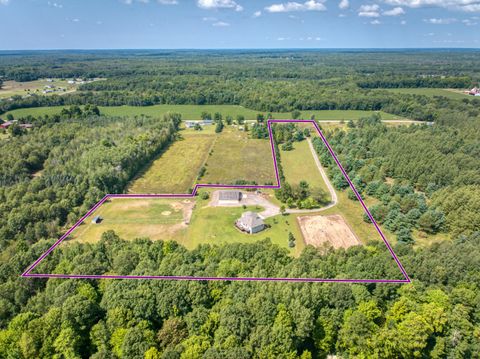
[463,5]
[435,21]
[76,20]
[470,22]
[369,11]
[257,14]
[375,22]
[219,4]
[54,4]
[4,2]
[397,11]
[403,22]
[344,4]
[310,5]
[220,24]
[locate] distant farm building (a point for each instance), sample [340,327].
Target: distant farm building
[6,124]
[474,92]
[250,222]
[229,197]
[191,124]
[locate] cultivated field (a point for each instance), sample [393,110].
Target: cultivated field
[319,231]
[175,170]
[235,157]
[130,218]
[299,165]
[193,112]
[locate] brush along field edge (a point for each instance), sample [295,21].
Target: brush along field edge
[28,271]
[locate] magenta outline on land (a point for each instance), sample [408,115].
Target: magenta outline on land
[28,271]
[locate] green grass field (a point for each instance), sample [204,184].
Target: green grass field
[175,170]
[193,112]
[237,157]
[215,225]
[135,218]
[453,94]
[299,165]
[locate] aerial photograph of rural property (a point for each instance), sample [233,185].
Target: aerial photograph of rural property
[189,179]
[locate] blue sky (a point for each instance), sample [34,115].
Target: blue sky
[99,24]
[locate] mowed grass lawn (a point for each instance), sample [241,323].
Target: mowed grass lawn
[176,169]
[216,225]
[130,218]
[453,94]
[235,157]
[193,112]
[299,165]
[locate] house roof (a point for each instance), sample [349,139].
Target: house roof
[230,195]
[251,220]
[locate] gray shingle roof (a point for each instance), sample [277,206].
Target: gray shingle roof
[251,220]
[230,195]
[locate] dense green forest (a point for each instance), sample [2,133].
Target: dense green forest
[424,178]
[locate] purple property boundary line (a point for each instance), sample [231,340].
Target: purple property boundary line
[406,279]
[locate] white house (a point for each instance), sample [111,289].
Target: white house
[250,222]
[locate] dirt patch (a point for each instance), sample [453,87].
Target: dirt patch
[332,230]
[166,213]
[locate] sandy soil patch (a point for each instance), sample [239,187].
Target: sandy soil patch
[166,213]
[332,230]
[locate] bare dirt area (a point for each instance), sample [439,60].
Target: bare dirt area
[327,230]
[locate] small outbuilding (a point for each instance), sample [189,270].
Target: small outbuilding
[229,197]
[97,220]
[250,222]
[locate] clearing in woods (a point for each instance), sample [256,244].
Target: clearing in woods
[327,230]
[175,170]
[155,218]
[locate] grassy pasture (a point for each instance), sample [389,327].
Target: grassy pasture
[176,169]
[134,218]
[453,94]
[299,165]
[193,112]
[237,157]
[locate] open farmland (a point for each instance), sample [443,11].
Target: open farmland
[193,112]
[235,157]
[37,87]
[453,94]
[175,170]
[130,218]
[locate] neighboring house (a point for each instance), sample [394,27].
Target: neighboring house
[6,124]
[26,125]
[96,220]
[229,197]
[207,122]
[474,92]
[190,124]
[250,222]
